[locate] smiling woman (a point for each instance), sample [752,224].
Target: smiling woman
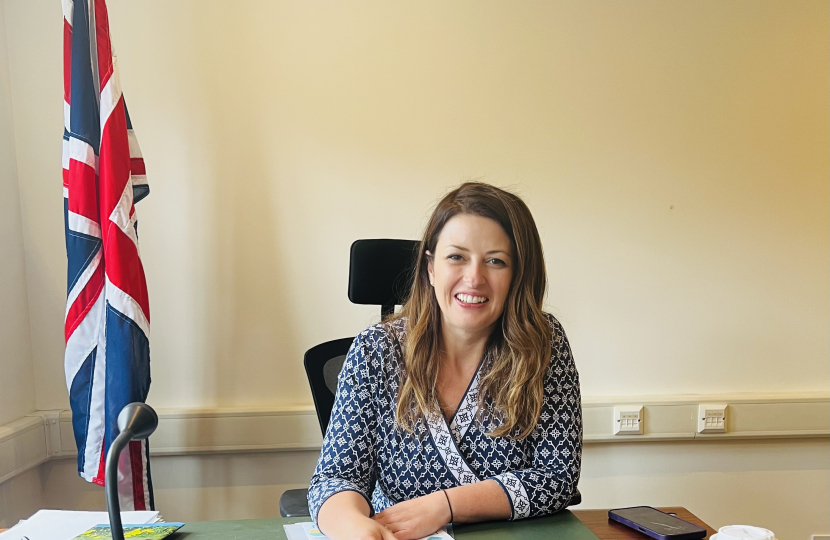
[465,407]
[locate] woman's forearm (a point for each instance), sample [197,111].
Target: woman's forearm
[481,501]
[340,509]
[421,516]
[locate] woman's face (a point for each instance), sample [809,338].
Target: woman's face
[471,271]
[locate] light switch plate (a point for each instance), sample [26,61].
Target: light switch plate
[628,420]
[711,418]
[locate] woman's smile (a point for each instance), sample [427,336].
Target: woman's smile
[471,300]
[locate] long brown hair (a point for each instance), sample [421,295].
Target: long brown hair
[520,344]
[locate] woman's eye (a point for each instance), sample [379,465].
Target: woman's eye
[498,262]
[454,257]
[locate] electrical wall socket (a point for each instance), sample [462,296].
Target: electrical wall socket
[628,420]
[711,418]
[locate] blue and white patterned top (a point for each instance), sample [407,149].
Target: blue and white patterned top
[363,449]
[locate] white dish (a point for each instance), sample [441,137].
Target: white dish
[715,537]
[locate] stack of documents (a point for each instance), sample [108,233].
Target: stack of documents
[66,525]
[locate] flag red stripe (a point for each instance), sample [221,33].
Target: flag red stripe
[137,166]
[81,306]
[67,60]
[102,29]
[137,464]
[99,478]
[83,193]
[114,159]
[124,268]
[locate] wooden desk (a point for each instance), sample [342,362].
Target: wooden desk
[605,529]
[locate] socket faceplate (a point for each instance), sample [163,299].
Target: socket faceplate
[711,418]
[628,420]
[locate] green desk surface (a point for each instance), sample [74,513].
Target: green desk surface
[561,526]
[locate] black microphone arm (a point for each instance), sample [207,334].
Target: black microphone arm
[135,421]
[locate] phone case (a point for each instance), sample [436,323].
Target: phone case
[692,533]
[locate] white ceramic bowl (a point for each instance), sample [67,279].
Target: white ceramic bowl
[743,532]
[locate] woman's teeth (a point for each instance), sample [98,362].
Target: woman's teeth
[470,299]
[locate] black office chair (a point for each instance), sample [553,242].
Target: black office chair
[380,273]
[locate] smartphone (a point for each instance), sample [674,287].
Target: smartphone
[656,524]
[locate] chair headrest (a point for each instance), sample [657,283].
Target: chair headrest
[381,271]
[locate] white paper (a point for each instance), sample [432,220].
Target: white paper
[440,534]
[309,531]
[66,525]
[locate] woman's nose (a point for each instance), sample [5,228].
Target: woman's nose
[473,275]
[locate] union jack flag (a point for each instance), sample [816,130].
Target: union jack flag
[107,324]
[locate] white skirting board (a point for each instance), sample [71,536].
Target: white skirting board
[22,446]
[30,441]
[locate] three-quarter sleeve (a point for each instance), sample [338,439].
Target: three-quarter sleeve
[348,457]
[556,443]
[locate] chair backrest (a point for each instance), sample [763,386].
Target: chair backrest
[380,273]
[322,366]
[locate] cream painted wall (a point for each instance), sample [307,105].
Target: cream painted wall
[782,485]
[21,497]
[17,384]
[674,154]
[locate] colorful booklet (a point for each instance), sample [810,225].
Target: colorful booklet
[152,531]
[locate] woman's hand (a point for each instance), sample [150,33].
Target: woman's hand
[345,516]
[363,528]
[416,518]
